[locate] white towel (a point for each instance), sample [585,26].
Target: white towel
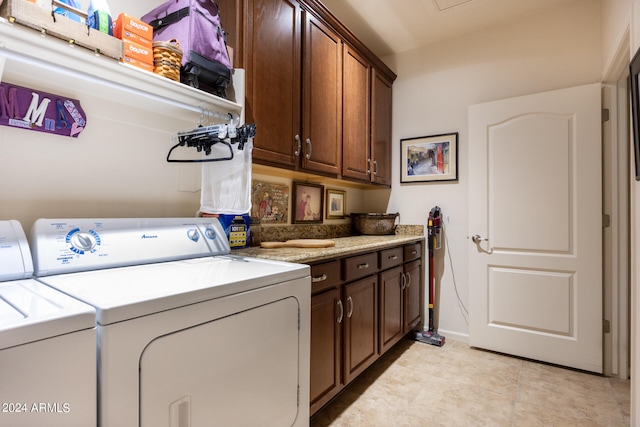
[226,185]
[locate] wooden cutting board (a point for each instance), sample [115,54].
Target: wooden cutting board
[299,243]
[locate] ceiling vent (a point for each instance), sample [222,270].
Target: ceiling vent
[448,4]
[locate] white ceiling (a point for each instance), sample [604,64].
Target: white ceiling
[393,26]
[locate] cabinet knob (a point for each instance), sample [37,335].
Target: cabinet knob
[368,166]
[308,155]
[319,278]
[393,257]
[350,301]
[408,279]
[297,152]
[339,319]
[363,266]
[403,281]
[375,167]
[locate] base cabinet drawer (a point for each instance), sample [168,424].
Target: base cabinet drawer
[412,252]
[391,257]
[359,266]
[325,275]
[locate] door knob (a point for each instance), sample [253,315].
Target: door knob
[477,239]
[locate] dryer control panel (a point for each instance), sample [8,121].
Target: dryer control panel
[71,245]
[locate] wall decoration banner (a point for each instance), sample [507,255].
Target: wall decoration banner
[31,109]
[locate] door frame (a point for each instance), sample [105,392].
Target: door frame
[616,204]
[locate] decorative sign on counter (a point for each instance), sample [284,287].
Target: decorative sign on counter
[25,108]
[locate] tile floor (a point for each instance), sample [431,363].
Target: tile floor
[417,384]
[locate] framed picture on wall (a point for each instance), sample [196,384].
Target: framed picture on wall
[634,72]
[270,202]
[429,158]
[336,202]
[309,202]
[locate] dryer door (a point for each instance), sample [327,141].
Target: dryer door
[240,370]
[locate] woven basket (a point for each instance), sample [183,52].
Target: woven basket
[167,58]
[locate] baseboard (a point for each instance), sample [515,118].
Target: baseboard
[455,336]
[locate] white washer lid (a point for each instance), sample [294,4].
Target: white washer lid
[15,256]
[31,311]
[128,292]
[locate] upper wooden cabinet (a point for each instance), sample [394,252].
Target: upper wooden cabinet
[320,98]
[380,129]
[356,114]
[321,133]
[272,59]
[367,121]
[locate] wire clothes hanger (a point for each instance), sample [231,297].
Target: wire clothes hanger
[204,138]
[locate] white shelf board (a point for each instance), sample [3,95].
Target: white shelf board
[54,64]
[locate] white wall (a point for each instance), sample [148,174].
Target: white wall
[435,85]
[116,167]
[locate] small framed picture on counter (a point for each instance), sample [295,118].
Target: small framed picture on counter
[336,202]
[309,202]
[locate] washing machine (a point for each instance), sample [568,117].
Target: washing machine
[47,345]
[188,333]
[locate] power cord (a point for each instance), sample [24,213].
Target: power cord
[461,306]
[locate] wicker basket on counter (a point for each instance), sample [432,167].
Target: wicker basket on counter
[167,58]
[375,223]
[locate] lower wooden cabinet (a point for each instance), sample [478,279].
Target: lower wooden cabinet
[361,306]
[412,293]
[326,346]
[392,305]
[360,326]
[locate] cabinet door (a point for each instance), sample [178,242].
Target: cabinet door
[322,99]
[356,158]
[360,326]
[381,101]
[273,94]
[412,294]
[391,307]
[327,314]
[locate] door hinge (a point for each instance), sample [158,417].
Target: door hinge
[605,114]
[606,220]
[606,326]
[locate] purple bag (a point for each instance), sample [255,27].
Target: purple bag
[196,26]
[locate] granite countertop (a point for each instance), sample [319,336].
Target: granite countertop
[344,246]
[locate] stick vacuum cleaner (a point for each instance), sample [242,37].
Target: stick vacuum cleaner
[433,238]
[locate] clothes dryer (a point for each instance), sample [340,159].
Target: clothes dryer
[188,334]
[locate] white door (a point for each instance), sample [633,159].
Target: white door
[535,209]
